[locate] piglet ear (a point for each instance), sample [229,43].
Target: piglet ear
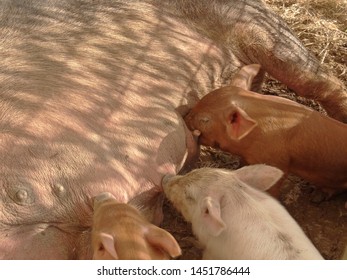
[107,241]
[163,240]
[239,124]
[259,176]
[245,76]
[211,216]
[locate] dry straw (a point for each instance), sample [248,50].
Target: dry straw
[322,26]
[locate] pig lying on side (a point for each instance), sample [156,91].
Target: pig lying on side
[233,218]
[121,232]
[272,130]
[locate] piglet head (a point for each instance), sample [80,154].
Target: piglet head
[120,231]
[208,196]
[217,117]
[190,196]
[218,121]
[150,242]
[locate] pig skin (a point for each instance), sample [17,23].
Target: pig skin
[120,232]
[273,130]
[234,218]
[89,99]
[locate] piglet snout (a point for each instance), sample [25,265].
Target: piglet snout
[166,179]
[101,197]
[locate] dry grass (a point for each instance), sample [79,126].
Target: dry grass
[322,27]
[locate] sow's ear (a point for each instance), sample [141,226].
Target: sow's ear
[211,216]
[244,78]
[259,176]
[107,245]
[239,124]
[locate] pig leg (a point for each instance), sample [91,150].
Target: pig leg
[282,55]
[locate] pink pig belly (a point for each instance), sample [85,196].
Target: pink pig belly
[66,138]
[62,155]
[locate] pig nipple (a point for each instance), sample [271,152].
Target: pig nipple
[196,133]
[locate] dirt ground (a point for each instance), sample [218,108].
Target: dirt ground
[322,26]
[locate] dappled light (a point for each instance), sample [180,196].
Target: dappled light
[90,93]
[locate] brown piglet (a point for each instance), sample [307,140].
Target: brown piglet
[120,232]
[272,130]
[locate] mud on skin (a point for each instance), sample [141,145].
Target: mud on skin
[89,92]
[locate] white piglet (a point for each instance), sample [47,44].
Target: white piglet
[234,218]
